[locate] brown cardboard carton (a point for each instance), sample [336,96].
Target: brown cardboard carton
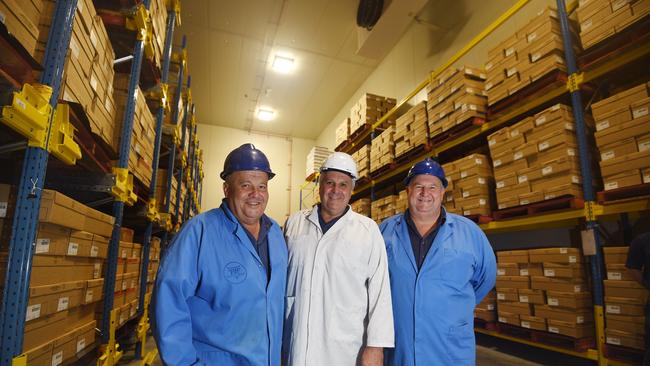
[613,118]
[532,197]
[531,269]
[515,308]
[49,299]
[618,272]
[59,209]
[627,289]
[80,244]
[635,160]
[626,323]
[618,149]
[40,355]
[513,282]
[623,179]
[507,294]
[48,270]
[93,291]
[51,239]
[64,347]
[516,166]
[556,255]
[558,284]
[625,130]
[574,316]
[508,318]
[507,269]
[532,296]
[507,181]
[558,270]
[85,336]
[533,322]
[512,256]
[615,254]
[569,300]
[623,306]
[487,315]
[625,339]
[569,329]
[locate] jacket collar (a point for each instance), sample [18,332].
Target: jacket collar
[238,230]
[404,239]
[313,218]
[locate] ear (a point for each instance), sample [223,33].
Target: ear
[225,189]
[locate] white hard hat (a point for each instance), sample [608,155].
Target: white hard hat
[341,162]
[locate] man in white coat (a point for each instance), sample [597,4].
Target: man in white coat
[338,308]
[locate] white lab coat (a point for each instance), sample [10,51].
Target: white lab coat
[338,291]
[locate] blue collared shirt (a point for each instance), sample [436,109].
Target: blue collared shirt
[261,244]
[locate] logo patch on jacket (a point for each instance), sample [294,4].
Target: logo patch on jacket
[234,272]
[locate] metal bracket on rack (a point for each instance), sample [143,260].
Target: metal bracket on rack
[19,360]
[62,144]
[165,221]
[143,328]
[111,353]
[180,58]
[590,210]
[188,98]
[29,113]
[140,21]
[175,6]
[123,188]
[152,211]
[160,93]
[574,81]
[184,159]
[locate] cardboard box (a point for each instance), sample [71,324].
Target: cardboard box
[48,270]
[627,289]
[99,248]
[625,339]
[618,272]
[533,322]
[512,256]
[94,291]
[618,149]
[51,239]
[531,269]
[628,162]
[626,323]
[558,284]
[59,209]
[556,255]
[625,130]
[507,294]
[80,244]
[558,270]
[532,296]
[513,282]
[487,315]
[508,318]
[85,336]
[508,269]
[569,329]
[49,299]
[99,223]
[569,300]
[47,328]
[573,316]
[623,306]
[515,308]
[624,179]
[40,355]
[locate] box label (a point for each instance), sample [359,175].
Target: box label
[482,202]
[42,245]
[580,319]
[490,307]
[57,358]
[543,146]
[611,185]
[535,56]
[511,71]
[3,209]
[553,302]
[547,170]
[644,146]
[94,251]
[524,202]
[554,330]
[602,125]
[640,112]
[73,248]
[646,178]
[497,163]
[465,194]
[577,288]
[563,251]
[523,272]
[3,17]
[618,4]
[522,178]
[575,179]
[525,324]
[74,48]
[89,296]
[614,340]
[81,344]
[586,24]
[614,275]
[571,152]
[509,52]
[572,259]
[613,309]
[501,184]
[97,270]
[123,285]
[514,133]
[33,312]
[501,272]
[518,155]
[93,40]
[502,319]
[501,296]
[540,120]
[549,272]
[63,303]
[463,174]
[549,196]
[531,37]
[488,66]
[523,298]
[481,181]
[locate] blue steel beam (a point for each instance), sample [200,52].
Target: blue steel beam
[146,245]
[118,205]
[28,200]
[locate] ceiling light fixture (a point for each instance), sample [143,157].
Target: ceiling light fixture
[282,64]
[265,114]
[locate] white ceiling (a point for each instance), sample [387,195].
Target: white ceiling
[230,44]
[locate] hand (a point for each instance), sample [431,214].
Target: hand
[372,356]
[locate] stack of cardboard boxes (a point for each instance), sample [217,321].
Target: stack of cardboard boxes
[411,129]
[88,74]
[402,202]
[623,137]
[66,278]
[454,97]
[487,308]
[531,53]
[342,132]
[513,278]
[21,19]
[383,208]
[158,16]
[154,263]
[601,19]
[361,206]
[368,110]
[315,159]
[362,158]
[625,301]
[470,185]
[144,130]
[382,149]
[161,191]
[568,309]
[536,159]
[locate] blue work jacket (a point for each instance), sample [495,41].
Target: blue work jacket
[433,309]
[212,303]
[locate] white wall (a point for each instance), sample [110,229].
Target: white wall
[287,157]
[424,48]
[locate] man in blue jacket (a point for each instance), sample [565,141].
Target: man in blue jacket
[219,293]
[441,265]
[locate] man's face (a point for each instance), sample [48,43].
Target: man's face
[335,190]
[425,193]
[247,194]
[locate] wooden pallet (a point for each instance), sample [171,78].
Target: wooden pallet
[362,181]
[484,324]
[411,154]
[541,86]
[556,204]
[625,354]
[458,130]
[639,190]
[550,339]
[382,170]
[479,219]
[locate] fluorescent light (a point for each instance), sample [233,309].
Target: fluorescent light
[283,64]
[265,114]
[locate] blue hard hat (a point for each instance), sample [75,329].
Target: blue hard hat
[246,157]
[426,166]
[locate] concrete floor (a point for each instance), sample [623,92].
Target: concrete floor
[490,351]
